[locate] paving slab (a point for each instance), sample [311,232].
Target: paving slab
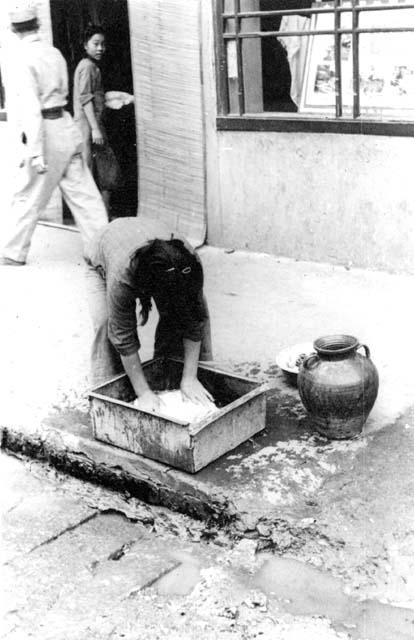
[72,580]
[139,571]
[31,513]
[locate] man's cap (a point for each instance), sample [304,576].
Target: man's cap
[22,13]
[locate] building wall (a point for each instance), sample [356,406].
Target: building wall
[335,198]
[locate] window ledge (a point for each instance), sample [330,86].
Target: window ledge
[267,123]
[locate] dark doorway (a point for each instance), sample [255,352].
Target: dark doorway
[69,20]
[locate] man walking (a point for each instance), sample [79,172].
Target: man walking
[36,93]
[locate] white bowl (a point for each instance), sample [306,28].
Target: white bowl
[286,359]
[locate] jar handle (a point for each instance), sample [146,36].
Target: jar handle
[307,361]
[367,351]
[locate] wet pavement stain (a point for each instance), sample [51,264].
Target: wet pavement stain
[303,590]
[184,576]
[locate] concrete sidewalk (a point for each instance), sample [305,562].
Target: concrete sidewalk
[259,304]
[79,561]
[280,485]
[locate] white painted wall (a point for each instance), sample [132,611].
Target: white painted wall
[331,198]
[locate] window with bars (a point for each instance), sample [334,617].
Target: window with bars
[345,65]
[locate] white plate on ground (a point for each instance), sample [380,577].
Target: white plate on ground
[287,358]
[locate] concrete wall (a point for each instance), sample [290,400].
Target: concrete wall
[333,198]
[343,199]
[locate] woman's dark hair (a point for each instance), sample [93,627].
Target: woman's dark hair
[91,30]
[168,272]
[29,25]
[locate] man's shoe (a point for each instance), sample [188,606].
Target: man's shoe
[8,262]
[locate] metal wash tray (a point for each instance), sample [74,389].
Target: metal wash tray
[189,446]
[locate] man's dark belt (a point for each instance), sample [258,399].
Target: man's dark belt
[53,113]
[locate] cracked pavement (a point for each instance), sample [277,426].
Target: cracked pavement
[82,562]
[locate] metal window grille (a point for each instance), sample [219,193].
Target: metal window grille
[231,21]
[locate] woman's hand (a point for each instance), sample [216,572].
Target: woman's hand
[190,386]
[148,401]
[192,389]
[97,137]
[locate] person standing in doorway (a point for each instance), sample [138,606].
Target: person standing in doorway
[36,82]
[89,96]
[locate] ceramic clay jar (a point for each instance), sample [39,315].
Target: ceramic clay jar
[338,386]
